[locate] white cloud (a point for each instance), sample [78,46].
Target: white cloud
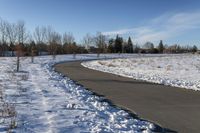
[120,32]
[163,27]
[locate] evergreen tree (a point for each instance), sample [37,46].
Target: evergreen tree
[160,47]
[118,44]
[194,49]
[129,46]
[111,48]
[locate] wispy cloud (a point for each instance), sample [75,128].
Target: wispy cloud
[120,32]
[163,27]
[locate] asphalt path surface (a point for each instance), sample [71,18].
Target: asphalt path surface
[175,109]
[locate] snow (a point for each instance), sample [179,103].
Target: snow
[182,70]
[38,99]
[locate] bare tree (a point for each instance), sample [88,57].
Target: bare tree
[3,35]
[22,35]
[87,41]
[3,30]
[11,30]
[68,38]
[19,53]
[149,46]
[54,40]
[69,45]
[40,34]
[100,41]
[40,37]
[32,49]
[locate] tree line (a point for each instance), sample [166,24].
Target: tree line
[45,40]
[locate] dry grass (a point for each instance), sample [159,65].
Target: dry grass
[102,63]
[8,112]
[111,65]
[169,67]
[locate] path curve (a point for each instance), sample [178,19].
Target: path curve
[174,108]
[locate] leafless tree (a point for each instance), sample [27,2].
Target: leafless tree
[40,37]
[22,34]
[100,41]
[11,30]
[19,53]
[21,38]
[40,34]
[68,38]
[3,35]
[87,41]
[3,30]
[54,40]
[69,45]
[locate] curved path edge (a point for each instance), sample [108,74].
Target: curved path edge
[176,109]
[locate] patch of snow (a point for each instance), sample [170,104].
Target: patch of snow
[175,70]
[46,101]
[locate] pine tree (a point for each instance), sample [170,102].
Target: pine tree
[111,48]
[160,47]
[118,44]
[129,46]
[194,49]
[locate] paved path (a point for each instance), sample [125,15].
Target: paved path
[173,108]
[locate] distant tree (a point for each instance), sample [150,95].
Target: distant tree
[32,50]
[178,49]
[41,47]
[155,51]
[40,37]
[118,44]
[81,49]
[54,40]
[194,49]
[68,38]
[22,35]
[161,47]
[70,48]
[5,48]
[136,48]
[11,30]
[129,46]
[3,35]
[69,45]
[19,54]
[111,48]
[40,34]
[149,46]
[87,41]
[100,42]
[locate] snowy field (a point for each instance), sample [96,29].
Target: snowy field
[174,70]
[40,100]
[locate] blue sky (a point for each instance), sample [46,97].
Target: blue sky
[173,21]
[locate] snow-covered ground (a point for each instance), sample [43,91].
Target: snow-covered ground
[38,99]
[174,70]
